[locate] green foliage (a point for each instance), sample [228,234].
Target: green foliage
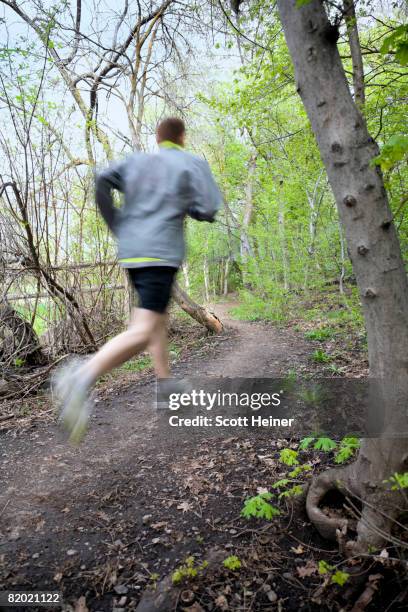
[232,563]
[398,42]
[324,444]
[337,576]
[258,507]
[320,356]
[289,456]
[398,481]
[138,364]
[394,151]
[340,577]
[324,567]
[188,570]
[305,467]
[292,492]
[280,483]
[319,334]
[347,449]
[305,443]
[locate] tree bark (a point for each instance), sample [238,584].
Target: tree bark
[355,51]
[282,237]
[18,340]
[197,312]
[347,151]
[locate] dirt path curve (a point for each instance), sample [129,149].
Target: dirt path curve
[49,490]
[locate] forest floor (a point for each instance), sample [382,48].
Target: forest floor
[106,522]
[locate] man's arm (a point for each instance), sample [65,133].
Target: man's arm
[205,195]
[105,181]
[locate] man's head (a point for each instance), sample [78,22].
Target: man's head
[173,129]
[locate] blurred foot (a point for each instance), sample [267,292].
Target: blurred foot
[71,392]
[166,386]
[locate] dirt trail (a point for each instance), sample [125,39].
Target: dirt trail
[61,508]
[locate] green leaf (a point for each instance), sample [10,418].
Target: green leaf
[295,490]
[300,3]
[394,151]
[305,443]
[259,507]
[340,577]
[324,567]
[280,483]
[289,456]
[232,562]
[397,41]
[324,444]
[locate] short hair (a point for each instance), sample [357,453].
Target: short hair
[171,128]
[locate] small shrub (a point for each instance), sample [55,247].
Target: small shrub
[320,356]
[289,456]
[232,563]
[259,507]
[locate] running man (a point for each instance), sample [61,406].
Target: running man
[159,191]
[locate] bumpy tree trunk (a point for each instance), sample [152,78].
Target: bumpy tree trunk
[347,150]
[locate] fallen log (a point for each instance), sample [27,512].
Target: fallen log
[197,312]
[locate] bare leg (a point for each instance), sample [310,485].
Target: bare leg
[158,349]
[143,326]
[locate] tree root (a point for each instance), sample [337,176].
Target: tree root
[375,519]
[336,478]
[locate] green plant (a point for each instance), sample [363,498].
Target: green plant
[292,492]
[347,448]
[398,481]
[320,356]
[232,563]
[137,365]
[259,507]
[289,456]
[325,444]
[319,334]
[188,570]
[322,443]
[336,576]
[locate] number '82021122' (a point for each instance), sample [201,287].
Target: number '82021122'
[42,599]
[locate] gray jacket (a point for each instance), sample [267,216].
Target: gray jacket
[159,191]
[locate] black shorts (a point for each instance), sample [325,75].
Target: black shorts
[153,285]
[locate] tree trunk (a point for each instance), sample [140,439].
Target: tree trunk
[347,151]
[19,344]
[226,271]
[282,236]
[197,312]
[186,276]
[355,51]
[206,279]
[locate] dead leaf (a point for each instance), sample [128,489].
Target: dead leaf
[299,550]
[185,506]
[58,577]
[159,525]
[307,570]
[80,605]
[221,602]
